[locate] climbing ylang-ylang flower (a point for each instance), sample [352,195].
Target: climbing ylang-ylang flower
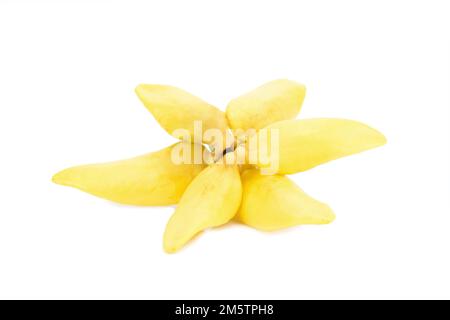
[243,162]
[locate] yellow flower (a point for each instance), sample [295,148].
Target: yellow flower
[223,186]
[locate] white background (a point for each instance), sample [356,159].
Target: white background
[67,75]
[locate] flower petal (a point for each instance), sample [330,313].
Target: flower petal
[176,109]
[149,180]
[275,202]
[304,144]
[211,200]
[274,101]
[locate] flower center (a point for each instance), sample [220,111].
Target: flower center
[227,150]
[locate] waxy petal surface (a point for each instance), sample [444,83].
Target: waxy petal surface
[304,144]
[176,109]
[274,202]
[274,101]
[211,200]
[148,180]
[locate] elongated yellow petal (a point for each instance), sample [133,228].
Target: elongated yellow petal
[274,101]
[273,202]
[303,144]
[177,109]
[211,200]
[149,180]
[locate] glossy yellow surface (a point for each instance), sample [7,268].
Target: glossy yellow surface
[274,101]
[176,109]
[273,202]
[148,180]
[211,200]
[304,144]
